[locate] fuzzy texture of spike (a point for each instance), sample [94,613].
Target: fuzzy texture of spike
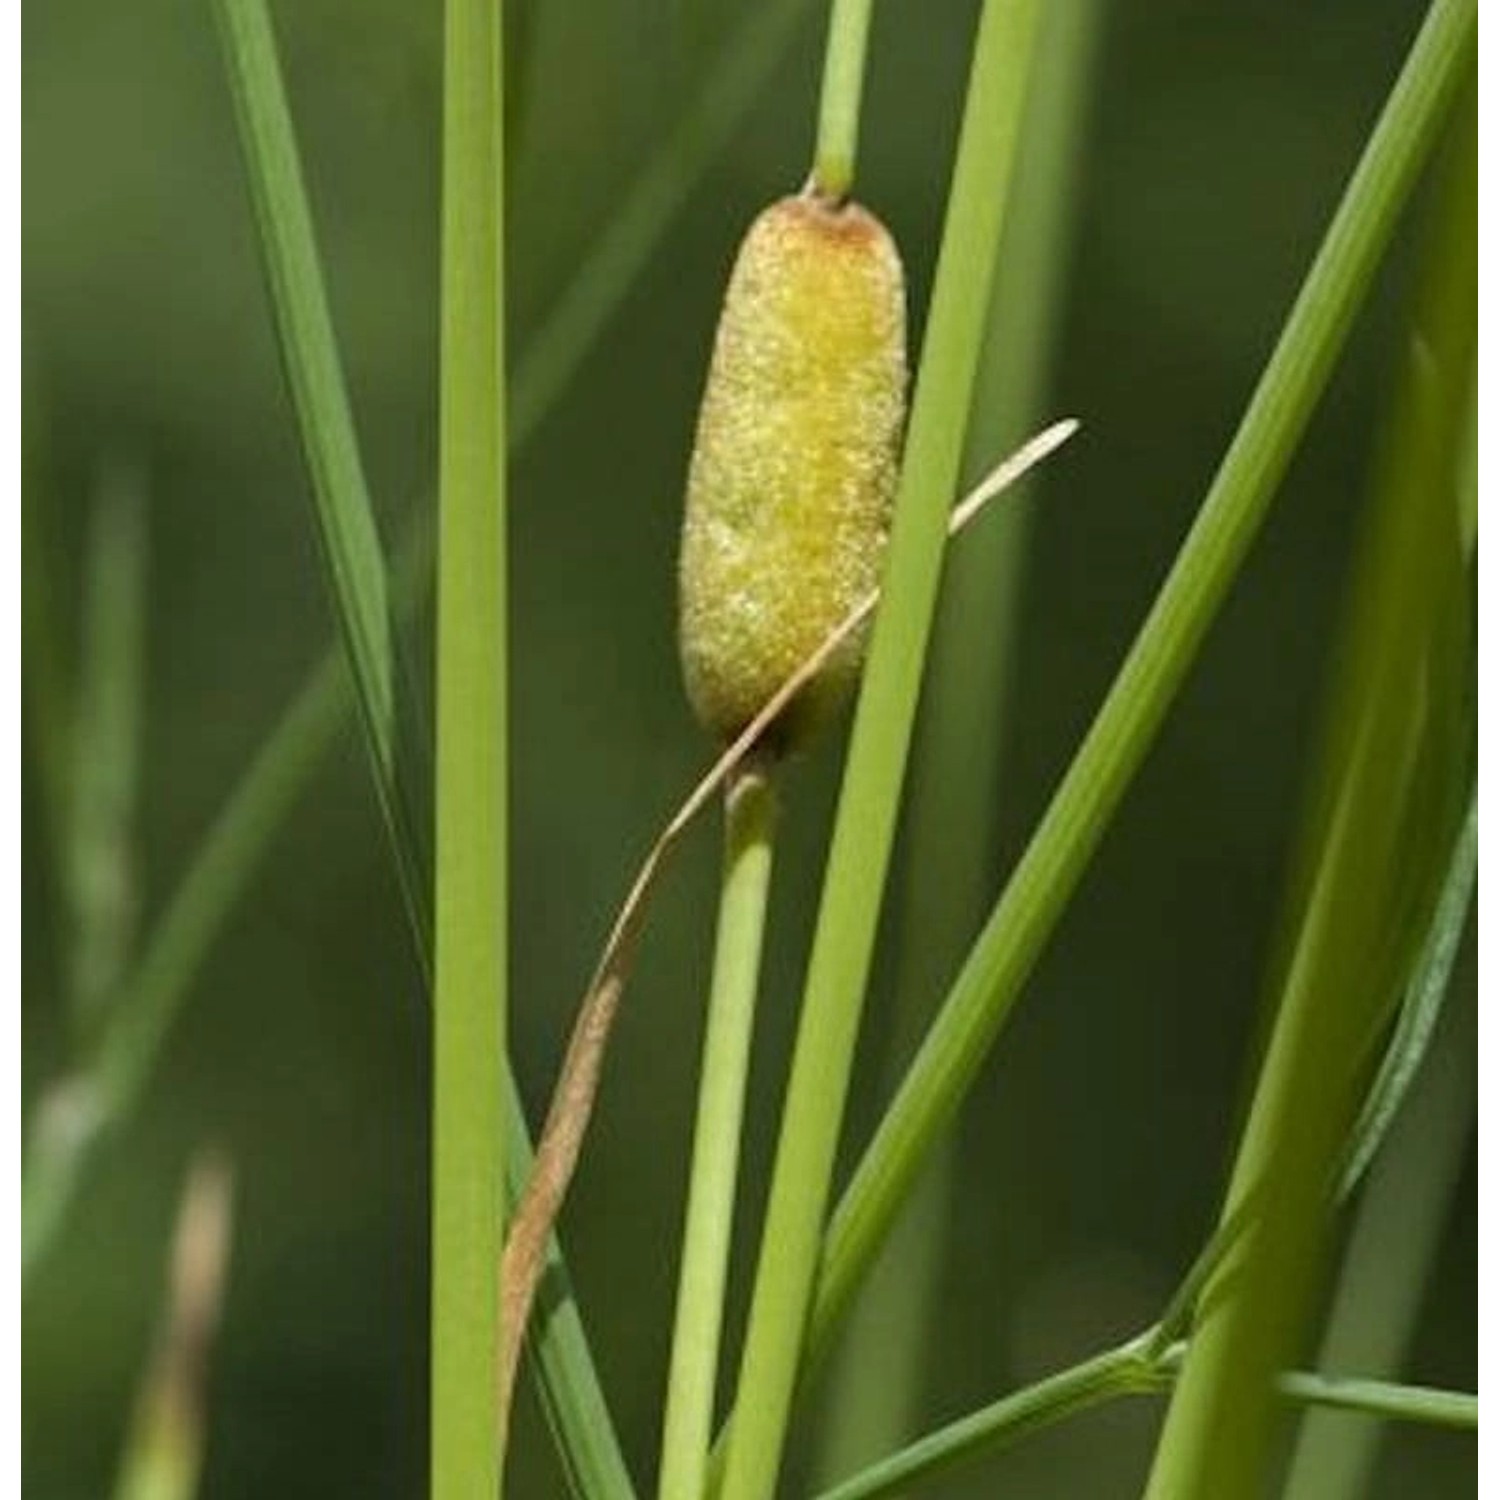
[794,467]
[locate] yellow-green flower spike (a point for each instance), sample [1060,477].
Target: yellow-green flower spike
[794,467]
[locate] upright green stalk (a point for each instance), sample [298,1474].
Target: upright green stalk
[838,105]
[865,824]
[957,775]
[749,819]
[470,901]
[1385,775]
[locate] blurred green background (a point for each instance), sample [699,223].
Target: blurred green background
[1091,1154]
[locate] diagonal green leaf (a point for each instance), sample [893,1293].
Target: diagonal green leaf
[986,990]
[1421,1005]
[349,540]
[1125,1370]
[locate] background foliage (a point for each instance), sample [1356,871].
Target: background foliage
[1218,140]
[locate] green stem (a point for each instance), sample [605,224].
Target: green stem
[865,825]
[1457,1410]
[1131,1369]
[1123,1370]
[838,104]
[471,894]
[988,986]
[750,812]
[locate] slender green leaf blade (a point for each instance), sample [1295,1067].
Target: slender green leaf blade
[348,536]
[1422,1005]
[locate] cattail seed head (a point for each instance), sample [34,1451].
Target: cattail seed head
[794,468]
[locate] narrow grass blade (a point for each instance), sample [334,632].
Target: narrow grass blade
[346,527]
[1422,1005]
[106,742]
[865,822]
[986,990]
[957,776]
[1383,782]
